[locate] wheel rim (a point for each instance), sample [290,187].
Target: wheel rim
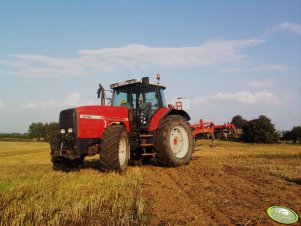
[122,151]
[179,141]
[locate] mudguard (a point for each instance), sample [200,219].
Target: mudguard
[162,113]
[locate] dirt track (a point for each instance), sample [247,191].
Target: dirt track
[223,187]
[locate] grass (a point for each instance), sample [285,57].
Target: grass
[31,193]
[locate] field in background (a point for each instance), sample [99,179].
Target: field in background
[232,183]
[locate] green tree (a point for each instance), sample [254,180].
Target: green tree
[43,131]
[260,130]
[239,122]
[36,130]
[286,135]
[51,129]
[295,134]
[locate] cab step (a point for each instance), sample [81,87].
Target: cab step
[149,154]
[146,135]
[147,145]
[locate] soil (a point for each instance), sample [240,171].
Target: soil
[213,190]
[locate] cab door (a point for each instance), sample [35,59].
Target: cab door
[148,104]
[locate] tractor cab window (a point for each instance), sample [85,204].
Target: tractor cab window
[152,99]
[149,98]
[124,97]
[163,98]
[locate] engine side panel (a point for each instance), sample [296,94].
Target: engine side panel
[92,120]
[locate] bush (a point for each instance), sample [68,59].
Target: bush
[294,134]
[260,130]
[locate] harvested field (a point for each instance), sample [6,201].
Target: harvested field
[31,193]
[230,184]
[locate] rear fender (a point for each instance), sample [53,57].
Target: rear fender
[162,113]
[180,112]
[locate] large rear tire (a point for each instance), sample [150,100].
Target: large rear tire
[115,149]
[174,143]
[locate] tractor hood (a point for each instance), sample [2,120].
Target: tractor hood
[90,121]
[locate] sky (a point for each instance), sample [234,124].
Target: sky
[226,58]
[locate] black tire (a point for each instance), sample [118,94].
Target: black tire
[115,149]
[178,151]
[67,165]
[59,163]
[55,143]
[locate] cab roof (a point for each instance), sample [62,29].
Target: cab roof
[132,82]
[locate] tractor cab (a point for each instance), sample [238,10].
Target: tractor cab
[141,98]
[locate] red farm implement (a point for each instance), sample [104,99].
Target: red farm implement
[210,130]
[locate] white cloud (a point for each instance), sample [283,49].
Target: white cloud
[208,54]
[245,97]
[295,28]
[266,83]
[2,105]
[260,68]
[200,100]
[74,99]
[294,114]
[43,66]
[270,68]
[134,56]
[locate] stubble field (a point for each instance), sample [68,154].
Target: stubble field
[230,184]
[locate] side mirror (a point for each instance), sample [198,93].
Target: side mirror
[101,94]
[145,80]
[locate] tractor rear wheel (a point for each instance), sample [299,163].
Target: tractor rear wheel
[115,149]
[174,143]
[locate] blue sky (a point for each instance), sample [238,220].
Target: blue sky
[227,57]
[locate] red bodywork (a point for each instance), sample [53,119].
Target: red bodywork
[211,128]
[92,120]
[161,113]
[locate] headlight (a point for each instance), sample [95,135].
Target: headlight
[63,131]
[70,130]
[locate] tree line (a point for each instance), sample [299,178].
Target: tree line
[262,130]
[43,131]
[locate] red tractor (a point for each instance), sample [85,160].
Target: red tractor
[137,124]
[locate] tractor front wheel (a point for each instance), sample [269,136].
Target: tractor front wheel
[174,143]
[60,163]
[67,165]
[115,149]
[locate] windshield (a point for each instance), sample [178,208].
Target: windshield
[124,97]
[149,95]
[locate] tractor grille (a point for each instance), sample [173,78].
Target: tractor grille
[68,119]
